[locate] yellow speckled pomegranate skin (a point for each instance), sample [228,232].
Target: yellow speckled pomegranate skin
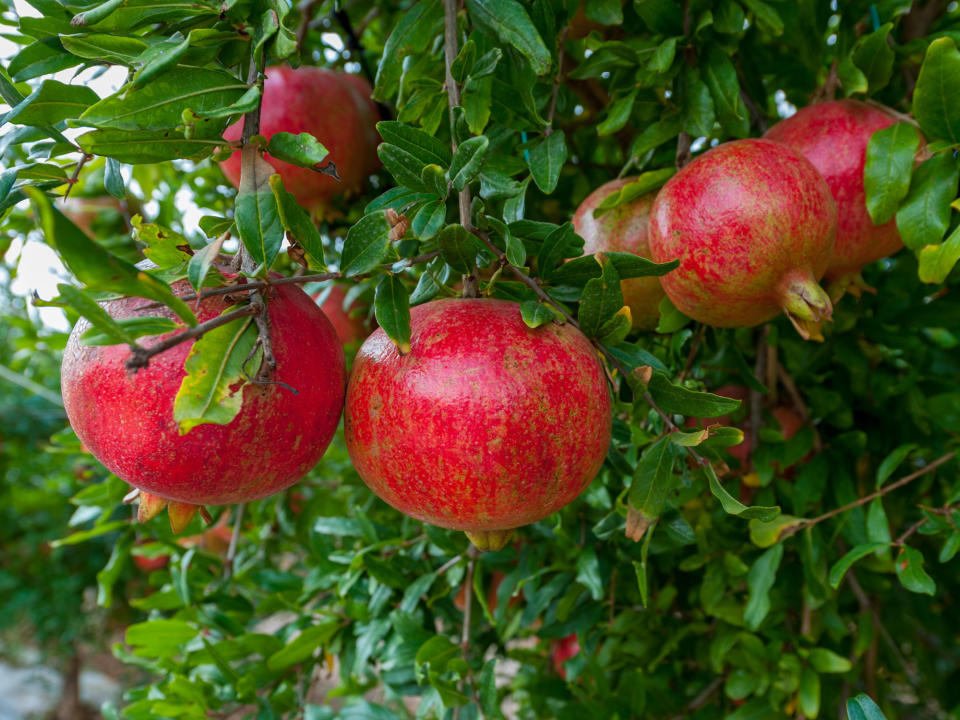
[485,424]
[126,420]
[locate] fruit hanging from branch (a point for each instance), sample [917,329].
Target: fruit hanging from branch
[753,225]
[127,420]
[330,106]
[485,425]
[624,228]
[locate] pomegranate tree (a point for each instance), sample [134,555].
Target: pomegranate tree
[126,419]
[485,425]
[623,229]
[753,225]
[330,106]
[834,136]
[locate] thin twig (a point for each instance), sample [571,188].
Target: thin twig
[306,10]
[354,44]
[697,339]
[557,80]
[864,601]
[702,698]
[910,531]
[684,155]
[76,174]
[472,553]
[140,356]
[756,399]
[252,285]
[759,121]
[234,538]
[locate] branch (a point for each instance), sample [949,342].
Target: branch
[450,44]
[234,537]
[306,9]
[562,42]
[472,553]
[354,44]
[140,356]
[697,339]
[76,174]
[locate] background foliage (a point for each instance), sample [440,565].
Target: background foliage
[336,606]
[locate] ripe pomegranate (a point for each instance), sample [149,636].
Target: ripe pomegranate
[485,425]
[834,136]
[126,420]
[96,213]
[330,106]
[623,229]
[351,322]
[562,650]
[149,564]
[753,225]
[789,420]
[214,540]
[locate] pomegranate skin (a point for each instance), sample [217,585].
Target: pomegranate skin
[834,136]
[485,425]
[334,110]
[753,225]
[623,229]
[126,420]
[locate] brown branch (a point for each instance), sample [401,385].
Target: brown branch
[697,339]
[234,538]
[354,44]
[306,9]
[756,399]
[76,174]
[140,356]
[910,531]
[683,150]
[864,601]
[562,41]
[759,121]
[472,553]
[702,698]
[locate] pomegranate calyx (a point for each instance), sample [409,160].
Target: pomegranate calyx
[181,514]
[851,282]
[806,304]
[485,540]
[150,506]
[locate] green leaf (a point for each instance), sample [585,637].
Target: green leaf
[426,148]
[851,77]
[760,579]
[405,167]
[950,548]
[721,77]
[303,646]
[435,178]
[653,480]
[508,20]
[765,534]
[413,32]
[618,113]
[535,313]
[467,161]
[561,242]
[303,149]
[937,90]
[257,215]
[97,268]
[766,17]
[160,104]
[429,219]
[212,390]
[924,216]
[732,506]
[202,260]
[113,179]
[889,164]
[827,661]
[874,56]
[392,307]
[148,146]
[842,565]
[698,111]
[158,59]
[52,103]
[579,270]
[134,327]
[910,572]
[43,57]
[119,49]
[863,708]
[547,159]
[663,56]
[102,324]
[808,696]
[164,247]
[159,638]
[214,225]
[297,223]
[601,299]
[936,261]
[458,247]
[617,327]
[366,245]
[676,399]
[487,689]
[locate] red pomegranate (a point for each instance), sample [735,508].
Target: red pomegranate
[330,106]
[562,650]
[623,229]
[485,425]
[126,420]
[350,321]
[789,420]
[753,225]
[149,564]
[834,136]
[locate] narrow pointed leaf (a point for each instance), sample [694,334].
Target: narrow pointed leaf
[392,308]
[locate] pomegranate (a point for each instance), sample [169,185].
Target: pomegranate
[330,106]
[351,321]
[562,650]
[834,136]
[789,420]
[753,225]
[149,564]
[623,229]
[126,420]
[485,425]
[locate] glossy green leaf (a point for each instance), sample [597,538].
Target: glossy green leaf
[405,167]
[467,161]
[120,49]
[146,146]
[765,534]
[910,572]
[874,56]
[392,307]
[40,58]
[601,299]
[765,16]
[535,313]
[617,114]
[732,506]
[936,261]
[638,187]
[160,638]
[720,75]
[547,159]
[616,328]
[303,149]
[51,103]
[924,216]
[414,31]
[561,242]
[102,324]
[676,399]
[760,579]
[808,697]
[212,391]
[508,20]
[201,262]
[827,661]
[132,327]
[366,244]
[579,270]
[297,223]
[257,215]
[937,90]
[428,149]
[653,480]
[458,247]
[429,219]
[886,174]
[842,565]
[863,708]
[158,59]
[113,179]
[303,645]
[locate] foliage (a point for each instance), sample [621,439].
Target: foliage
[747,594]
